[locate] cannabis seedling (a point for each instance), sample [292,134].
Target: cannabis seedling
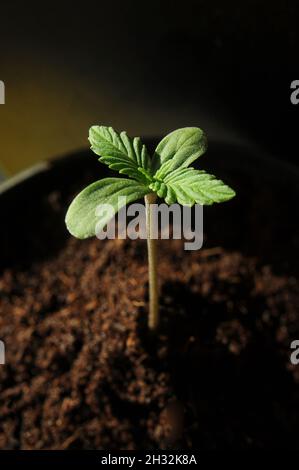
[166,174]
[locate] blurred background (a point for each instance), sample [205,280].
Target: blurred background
[147,67]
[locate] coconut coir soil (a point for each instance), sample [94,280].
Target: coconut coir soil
[83,373]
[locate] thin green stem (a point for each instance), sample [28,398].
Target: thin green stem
[153,319]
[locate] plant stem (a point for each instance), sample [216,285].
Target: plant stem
[153,318]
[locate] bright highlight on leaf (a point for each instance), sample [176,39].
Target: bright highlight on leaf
[188,186]
[166,174]
[120,152]
[82,220]
[179,149]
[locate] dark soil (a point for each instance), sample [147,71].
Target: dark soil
[81,370]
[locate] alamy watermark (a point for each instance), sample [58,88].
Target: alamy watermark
[168,221]
[294,357]
[2,92]
[2,353]
[295,93]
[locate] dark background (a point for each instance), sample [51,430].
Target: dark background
[224,66]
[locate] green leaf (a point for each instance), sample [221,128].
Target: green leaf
[120,152]
[178,150]
[81,218]
[188,186]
